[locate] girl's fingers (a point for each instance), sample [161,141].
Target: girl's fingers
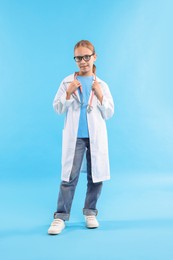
[77,82]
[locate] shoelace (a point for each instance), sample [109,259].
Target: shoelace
[57,222]
[91,218]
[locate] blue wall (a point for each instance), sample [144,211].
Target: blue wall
[133,40]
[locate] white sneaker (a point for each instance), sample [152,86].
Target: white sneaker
[56,226]
[91,222]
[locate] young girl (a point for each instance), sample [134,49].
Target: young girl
[87,102]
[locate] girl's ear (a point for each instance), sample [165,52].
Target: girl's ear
[95,57]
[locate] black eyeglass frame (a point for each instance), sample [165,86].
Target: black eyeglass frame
[83,57]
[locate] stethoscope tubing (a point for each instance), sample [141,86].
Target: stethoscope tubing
[89,106]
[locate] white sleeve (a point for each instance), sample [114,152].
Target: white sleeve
[60,104]
[107,106]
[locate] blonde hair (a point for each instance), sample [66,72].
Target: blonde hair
[90,46]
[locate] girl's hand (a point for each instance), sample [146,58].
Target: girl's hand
[72,88]
[97,89]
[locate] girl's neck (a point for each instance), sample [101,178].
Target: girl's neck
[85,74]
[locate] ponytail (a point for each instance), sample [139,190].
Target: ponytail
[94,69]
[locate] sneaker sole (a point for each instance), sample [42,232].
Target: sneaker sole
[55,232]
[92,227]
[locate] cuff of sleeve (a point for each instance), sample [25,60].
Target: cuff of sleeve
[66,102]
[102,106]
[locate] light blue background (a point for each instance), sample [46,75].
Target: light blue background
[133,41]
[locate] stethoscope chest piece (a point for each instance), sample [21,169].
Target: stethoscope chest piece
[89,108]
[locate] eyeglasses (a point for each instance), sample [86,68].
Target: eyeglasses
[85,57]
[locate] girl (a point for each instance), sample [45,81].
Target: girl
[87,102]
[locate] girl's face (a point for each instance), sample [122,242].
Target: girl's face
[84,59]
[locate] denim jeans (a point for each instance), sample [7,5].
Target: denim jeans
[67,189]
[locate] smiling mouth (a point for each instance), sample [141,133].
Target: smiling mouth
[83,67]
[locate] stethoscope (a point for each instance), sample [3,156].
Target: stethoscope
[89,106]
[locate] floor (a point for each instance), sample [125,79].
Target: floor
[135,215]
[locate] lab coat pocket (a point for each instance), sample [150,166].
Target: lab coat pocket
[67,140]
[68,149]
[102,142]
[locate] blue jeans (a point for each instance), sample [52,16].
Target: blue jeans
[67,189]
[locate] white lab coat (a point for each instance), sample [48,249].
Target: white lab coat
[96,125]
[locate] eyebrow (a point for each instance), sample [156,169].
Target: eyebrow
[83,55]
